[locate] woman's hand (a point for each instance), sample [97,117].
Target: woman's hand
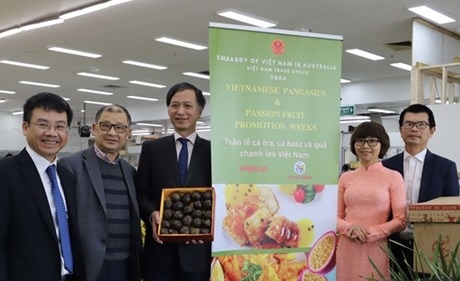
[357,233]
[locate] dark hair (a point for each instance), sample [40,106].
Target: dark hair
[418,108]
[371,129]
[184,86]
[112,108]
[47,102]
[345,167]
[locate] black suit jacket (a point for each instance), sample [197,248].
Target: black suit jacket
[439,175]
[158,169]
[29,247]
[92,211]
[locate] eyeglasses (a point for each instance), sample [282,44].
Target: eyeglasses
[370,142]
[45,126]
[106,126]
[420,125]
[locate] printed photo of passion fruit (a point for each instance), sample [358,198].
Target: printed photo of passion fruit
[307,275]
[321,258]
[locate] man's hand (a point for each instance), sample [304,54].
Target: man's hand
[155,221]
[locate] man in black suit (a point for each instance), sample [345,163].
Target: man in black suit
[108,214]
[158,169]
[32,219]
[427,175]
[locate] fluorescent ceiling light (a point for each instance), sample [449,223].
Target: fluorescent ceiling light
[98,76]
[41,24]
[23,64]
[246,18]
[147,84]
[203,127]
[39,84]
[95,92]
[85,11]
[97,102]
[74,52]
[181,43]
[141,131]
[149,124]
[364,54]
[141,98]
[7,92]
[64,98]
[348,118]
[143,64]
[2,100]
[206,94]
[117,2]
[431,14]
[402,65]
[344,81]
[379,110]
[354,121]
[198,75]
[141,134]
[9,32]
[18,112]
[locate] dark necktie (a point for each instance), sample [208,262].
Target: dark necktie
[183,160]
[61,216]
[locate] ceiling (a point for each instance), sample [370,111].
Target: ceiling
[127,31]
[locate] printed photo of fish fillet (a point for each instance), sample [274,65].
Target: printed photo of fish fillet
[267,199]
[283,231]
[255,226]
[233,223]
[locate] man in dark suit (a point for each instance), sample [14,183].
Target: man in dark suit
[427,175]
[108,214]
[158,169]
[34,222]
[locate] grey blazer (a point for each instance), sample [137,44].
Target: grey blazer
[92,212]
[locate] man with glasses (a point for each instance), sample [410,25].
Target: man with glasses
[38,227]
[108,213]
[160,167]
[426,175]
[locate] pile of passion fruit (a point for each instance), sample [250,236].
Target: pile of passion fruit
[187,213]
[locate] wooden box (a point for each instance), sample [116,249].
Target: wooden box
[436,219]
[197,217]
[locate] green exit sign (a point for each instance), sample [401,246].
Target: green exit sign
[347,110]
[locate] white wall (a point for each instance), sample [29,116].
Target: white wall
[446,139]
[12,138]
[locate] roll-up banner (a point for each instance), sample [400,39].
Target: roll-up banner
[275,100]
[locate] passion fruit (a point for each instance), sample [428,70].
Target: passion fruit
[321,258]
[307,275]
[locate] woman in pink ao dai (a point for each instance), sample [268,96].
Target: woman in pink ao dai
[367,198]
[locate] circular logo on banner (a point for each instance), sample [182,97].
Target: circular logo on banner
[299,167]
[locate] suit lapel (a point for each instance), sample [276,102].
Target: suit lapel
[171,156]
[94,173]
[127,176]
[34,184]
[68,185]
[195,159]
[400,164]
[426,174]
